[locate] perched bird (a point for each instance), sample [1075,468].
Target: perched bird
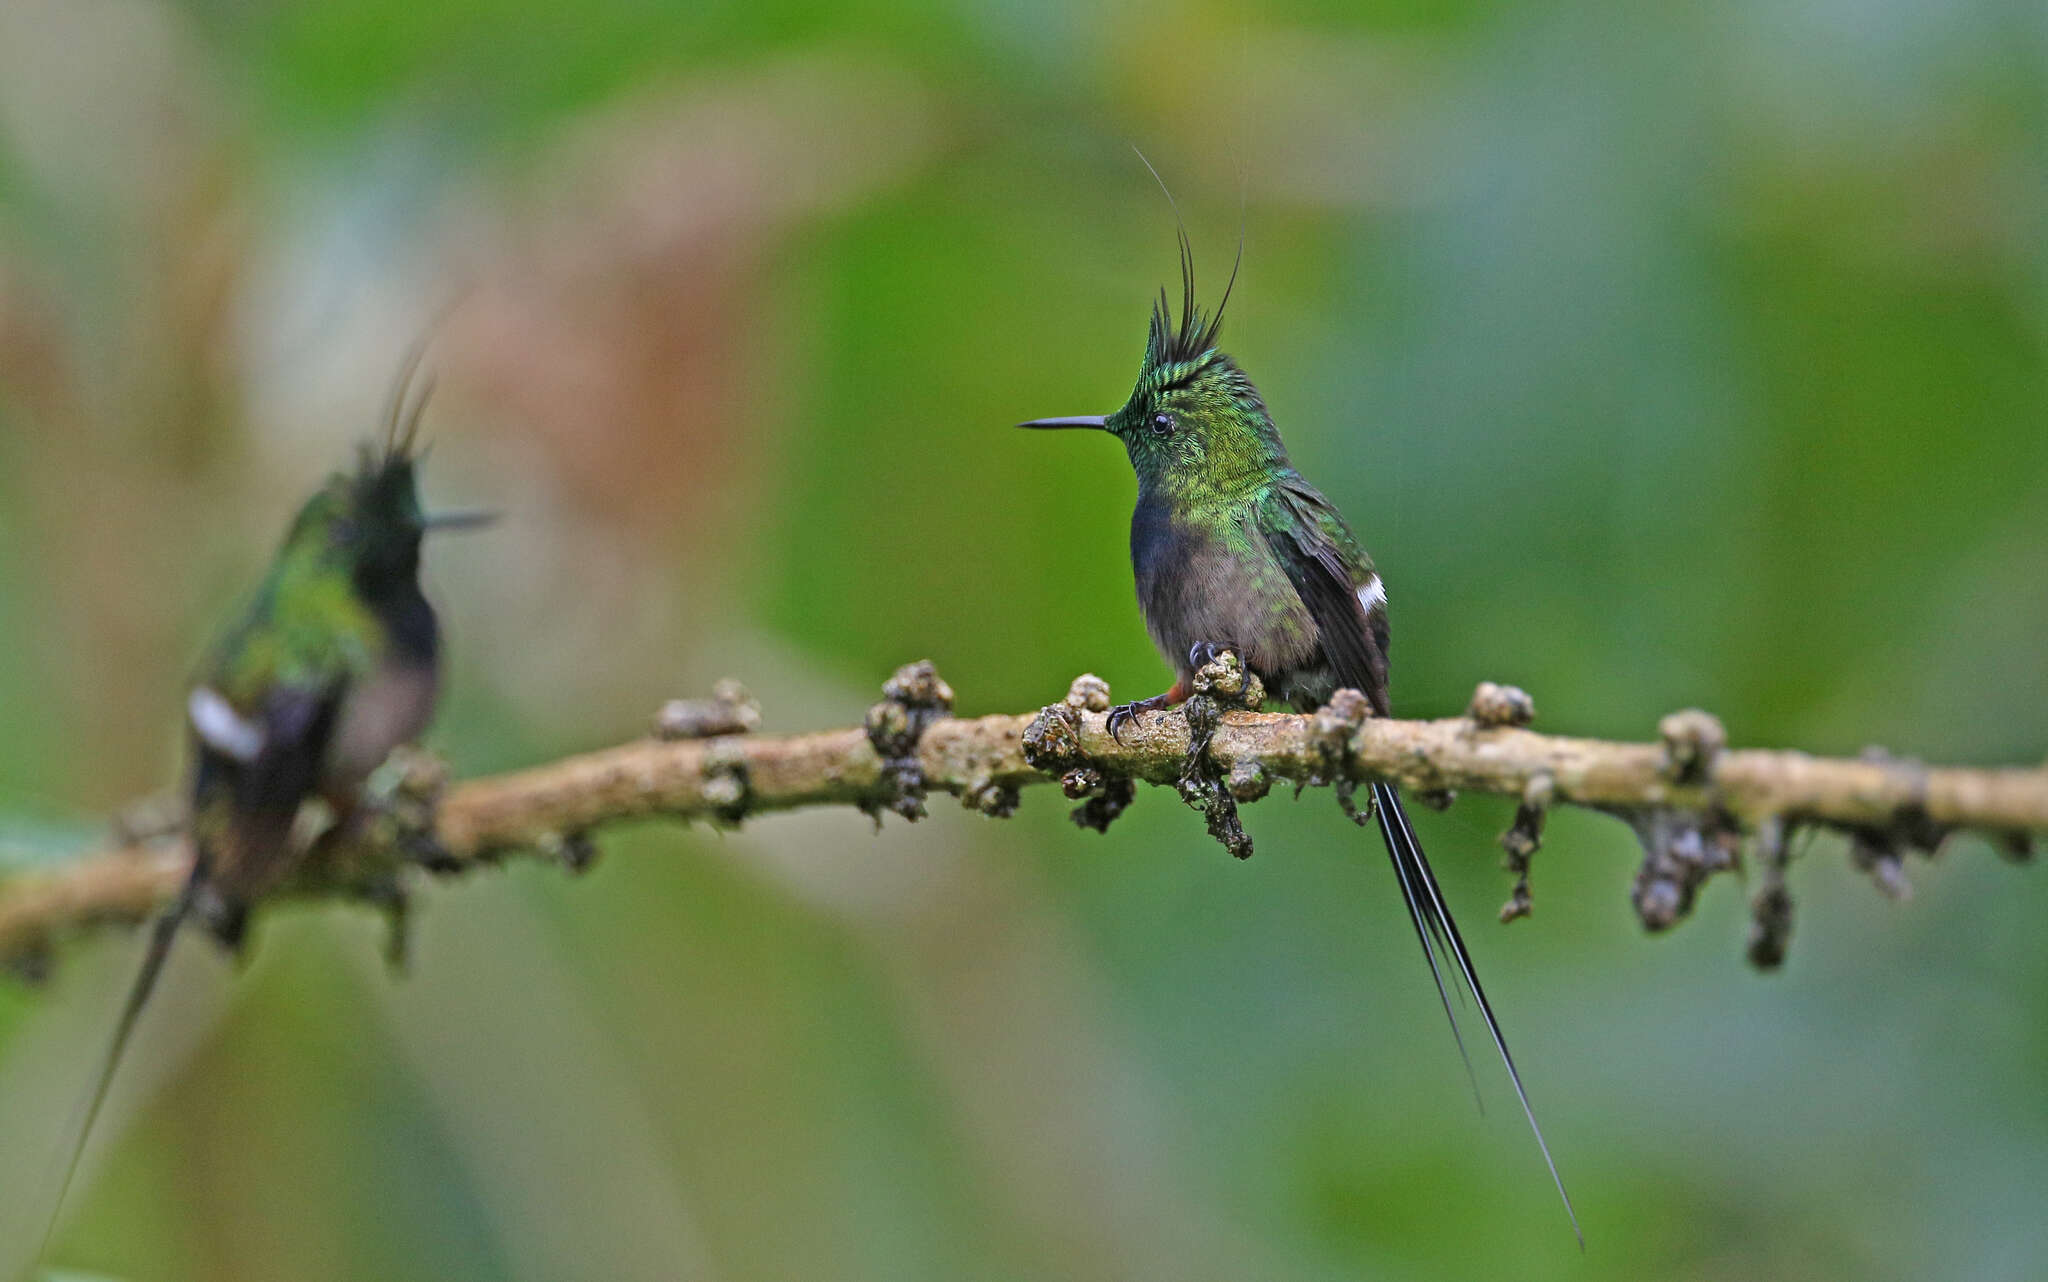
[1234,550]
[333,663]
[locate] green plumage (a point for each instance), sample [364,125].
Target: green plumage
[306,627]
[1232,549]
[333,664]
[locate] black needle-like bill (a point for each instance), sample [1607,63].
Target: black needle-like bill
[1096,421]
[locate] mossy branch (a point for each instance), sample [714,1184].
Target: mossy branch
[1694,803]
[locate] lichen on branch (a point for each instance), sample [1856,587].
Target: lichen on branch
[1693,802]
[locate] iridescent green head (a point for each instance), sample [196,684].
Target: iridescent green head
[1194,425]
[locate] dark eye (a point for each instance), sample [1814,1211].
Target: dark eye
[1163,425]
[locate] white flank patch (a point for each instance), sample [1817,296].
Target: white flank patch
[221,728]
[1373,595]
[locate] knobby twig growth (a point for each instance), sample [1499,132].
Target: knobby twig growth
[1693,803]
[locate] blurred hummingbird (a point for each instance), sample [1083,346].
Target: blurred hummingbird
[333,664]
[1234,550]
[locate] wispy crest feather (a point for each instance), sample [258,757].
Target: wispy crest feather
[410,393]
[1193,336]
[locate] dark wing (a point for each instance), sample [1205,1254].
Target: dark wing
[1307,541]
[1328,570]
[254,771]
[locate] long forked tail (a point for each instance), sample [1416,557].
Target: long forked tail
[161,936]
[1442,945]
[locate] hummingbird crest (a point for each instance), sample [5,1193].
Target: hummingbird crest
[386,523]
[1195,426]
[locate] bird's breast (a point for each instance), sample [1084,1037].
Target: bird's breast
[1212,581]
[389,708]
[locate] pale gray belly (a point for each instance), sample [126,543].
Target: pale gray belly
[390,708]
[1212,593]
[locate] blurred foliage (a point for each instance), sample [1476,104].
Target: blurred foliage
[1663,355]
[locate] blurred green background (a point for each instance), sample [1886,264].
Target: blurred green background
[1663,355]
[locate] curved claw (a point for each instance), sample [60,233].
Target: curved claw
[1124,713]
[1119,717]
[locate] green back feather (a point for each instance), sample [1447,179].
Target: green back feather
[306,626]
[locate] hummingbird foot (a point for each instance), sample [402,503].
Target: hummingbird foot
[396,811]
[1125,713]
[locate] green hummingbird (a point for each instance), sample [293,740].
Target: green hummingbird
[334,662]
[1234,550]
